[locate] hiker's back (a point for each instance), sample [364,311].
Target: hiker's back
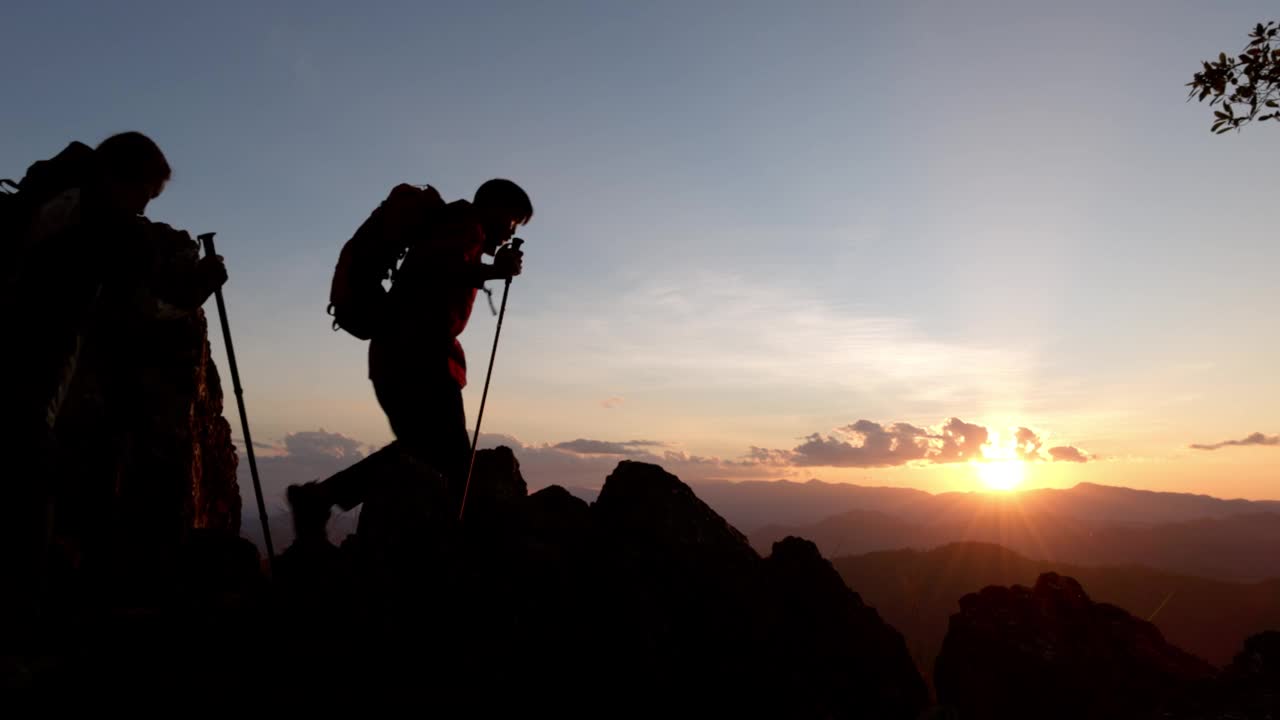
[428,306]
[426,294]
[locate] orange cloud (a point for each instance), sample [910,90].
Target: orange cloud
[868,444]
[1066,453]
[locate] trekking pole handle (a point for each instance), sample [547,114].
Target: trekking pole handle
[207,240]
[515,245]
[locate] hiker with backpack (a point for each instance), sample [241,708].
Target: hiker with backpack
[87,271]
[416,363]
[74,233]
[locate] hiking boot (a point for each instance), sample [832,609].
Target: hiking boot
[310,506]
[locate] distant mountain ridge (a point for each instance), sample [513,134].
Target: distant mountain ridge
[754,504]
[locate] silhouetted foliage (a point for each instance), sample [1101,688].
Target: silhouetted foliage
[1243,87]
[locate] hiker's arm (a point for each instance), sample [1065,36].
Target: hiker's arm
[194,286]
[181,278]
[476,274]
[506,264]
[443,258]
[211,274]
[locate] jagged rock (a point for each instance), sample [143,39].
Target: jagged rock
[642,503]
[144,453]
[496,497]
[1247,689]
[151,578]
[554,515]
[215,494]
[673,585]
[1251,684]
[184,442]
[645,603]
[1259,660]
[497,478]
[403,517]
[842,660]
[694,619]
[1051,652]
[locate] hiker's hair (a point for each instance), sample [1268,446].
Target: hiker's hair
[504,194]
[133,157]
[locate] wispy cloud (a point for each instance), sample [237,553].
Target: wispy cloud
[603,447]
[1253,439]
[716,330]
[582,464]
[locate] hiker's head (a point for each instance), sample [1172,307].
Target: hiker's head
[503,207]
[133,171]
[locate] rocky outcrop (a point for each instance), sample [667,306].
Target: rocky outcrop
[842,659]
[215,494]
[1051,652]
[146,455]
[1247,689]
[646,602]
[1257,667]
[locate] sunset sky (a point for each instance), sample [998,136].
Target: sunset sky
[765,233]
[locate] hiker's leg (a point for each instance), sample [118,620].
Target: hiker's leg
[449,445]
[441,437]
[453,440]
[401,398]
[347,488]
[429,420]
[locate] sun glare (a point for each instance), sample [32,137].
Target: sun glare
[1001,474]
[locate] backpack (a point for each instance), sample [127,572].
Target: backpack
[20,201]
[357,297]
[42,373]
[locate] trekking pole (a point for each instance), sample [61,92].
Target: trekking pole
[515,243]
[207,240]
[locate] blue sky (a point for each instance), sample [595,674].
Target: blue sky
[755,221]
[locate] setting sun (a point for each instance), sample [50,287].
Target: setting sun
[1001,474]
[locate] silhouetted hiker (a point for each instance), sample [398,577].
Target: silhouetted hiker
[416,363]
[87,271]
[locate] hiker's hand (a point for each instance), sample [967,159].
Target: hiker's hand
[508,262]
[212,271]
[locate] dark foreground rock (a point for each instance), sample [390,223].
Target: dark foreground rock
[644,603]
[1051,652]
